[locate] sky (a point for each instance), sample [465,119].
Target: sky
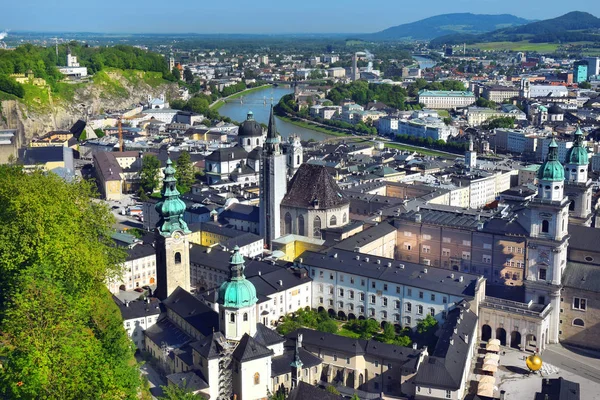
[256,16]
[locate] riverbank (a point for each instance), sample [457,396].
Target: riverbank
[221,102]
[319,128]
[422,150]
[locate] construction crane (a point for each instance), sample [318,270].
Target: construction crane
[120,136]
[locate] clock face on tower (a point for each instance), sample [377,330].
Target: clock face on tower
[177,236]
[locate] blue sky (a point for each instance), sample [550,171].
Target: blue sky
[257,16]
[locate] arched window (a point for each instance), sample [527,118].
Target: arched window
[317,227]
[288,224]
[257,142]
[257,378]
[344,218]
[177,258]
[578,322]
[232,317]
[248,142]
[300,225]
[545,226]
[333,221]
[572,206]
[245,317]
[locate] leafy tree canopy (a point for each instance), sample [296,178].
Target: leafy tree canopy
[61,333]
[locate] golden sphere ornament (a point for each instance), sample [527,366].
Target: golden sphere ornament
[534,362]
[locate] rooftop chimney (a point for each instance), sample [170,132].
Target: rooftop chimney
[414,345]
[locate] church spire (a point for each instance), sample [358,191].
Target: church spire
[272,142]
[171,208]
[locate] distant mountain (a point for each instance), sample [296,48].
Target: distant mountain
[446,24]
[572,27]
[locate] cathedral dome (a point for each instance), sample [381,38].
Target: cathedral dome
[577,154]
[250,128]
[237,292]
[552,170]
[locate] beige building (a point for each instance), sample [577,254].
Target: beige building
[446,99]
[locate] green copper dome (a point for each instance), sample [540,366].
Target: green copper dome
[237,292]
[578,153]
[171,207]
[551,170]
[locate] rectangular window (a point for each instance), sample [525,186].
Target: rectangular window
[320,274]
[331,276]
[385,287]
[320,300]
[341,277]
[542,274]
[426,237]
[398,289]
[408,307]
[487,259]
[335,357]
[487,246]
[362,282]
[407,233]
[362,297]
[420,295]
[426,249]
[409,292]
[446,240]
[341,292]
[466,255]
[420,310]
[372,299]
[384,301]
[352,280]
[312,273]
[448,394]
[579,303]
[466,242]
[446,252]
[373,285]
[433,297]
[397,304]
[444,300]
[407,246]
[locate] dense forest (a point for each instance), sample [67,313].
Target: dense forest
[42,61]
[62,335]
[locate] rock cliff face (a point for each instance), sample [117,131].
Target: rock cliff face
[114,92]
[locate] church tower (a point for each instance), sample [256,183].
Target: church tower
[471,156]
[295,154]
[547,218]
[172,242]
[578,186]
[273,184]
[237,301]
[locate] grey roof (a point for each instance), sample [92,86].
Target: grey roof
[312,184]
[582,276]
[250,349]
[242,240]
[193,382]
[166,331]
[250,128]
[505,227]
[193,311]
[281,364]
[138,308]
[266,336]
[42,155]
[444,368]
[367,236]
[255,154]
[108,166]
[209,347]
[243,212]
[219,260]
[228,154]
[140,251]
[454,218]
[558,389]
[584,238]
[400,272]
[305,391]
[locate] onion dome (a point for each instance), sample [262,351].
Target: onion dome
[250,127]
[237,292]
[551,170]
[577,154]
[171,208]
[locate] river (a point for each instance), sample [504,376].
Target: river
[424,62]
[255,102]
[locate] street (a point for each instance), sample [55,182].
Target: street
[574,361]
[154,379]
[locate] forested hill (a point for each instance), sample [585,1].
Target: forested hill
[42,61]
[445,24]
[572,27]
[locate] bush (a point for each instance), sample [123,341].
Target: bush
[9,85]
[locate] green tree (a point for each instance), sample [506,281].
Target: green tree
[501,122]
[175,72]
[328,326]
[61,334]
[585,85]
[184,173]
[99,132]
[389,333]
[402,340]
[331,389]
[188,76]
[483,102]
[176,392]
[149,175]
